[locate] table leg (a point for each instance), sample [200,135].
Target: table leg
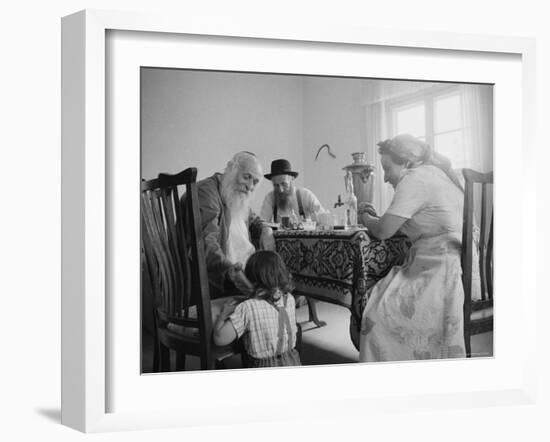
[312,309]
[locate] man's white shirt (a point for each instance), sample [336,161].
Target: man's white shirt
[310,204]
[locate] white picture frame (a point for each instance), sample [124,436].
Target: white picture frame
[87,206]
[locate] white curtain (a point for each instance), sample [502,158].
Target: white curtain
[377,130]
[477,109]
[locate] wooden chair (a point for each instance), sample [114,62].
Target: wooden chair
[478,313]
[174,251]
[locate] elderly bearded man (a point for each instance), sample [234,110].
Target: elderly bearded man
[286,198]
[229,225]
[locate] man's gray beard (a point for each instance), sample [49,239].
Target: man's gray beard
[237,203]
[284,200]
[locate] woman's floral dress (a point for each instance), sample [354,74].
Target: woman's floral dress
[415,312]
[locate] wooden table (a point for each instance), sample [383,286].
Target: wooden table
[337,266]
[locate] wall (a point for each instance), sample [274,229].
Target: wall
[332,115]
[200,119]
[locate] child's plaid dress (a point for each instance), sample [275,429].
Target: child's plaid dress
[269,330]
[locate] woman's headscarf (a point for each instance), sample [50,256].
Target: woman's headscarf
[409,150]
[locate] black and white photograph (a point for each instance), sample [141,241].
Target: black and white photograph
[247,220]
[302,220]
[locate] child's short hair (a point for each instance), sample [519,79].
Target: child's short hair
[267,271]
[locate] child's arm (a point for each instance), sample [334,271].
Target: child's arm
[224,332]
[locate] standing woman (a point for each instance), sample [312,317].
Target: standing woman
[415,312]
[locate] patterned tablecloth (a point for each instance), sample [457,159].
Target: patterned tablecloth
[338,266]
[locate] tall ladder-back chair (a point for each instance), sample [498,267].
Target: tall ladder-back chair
[174,252]
[478,311]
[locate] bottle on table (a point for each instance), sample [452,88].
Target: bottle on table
[340,214]
[350,201]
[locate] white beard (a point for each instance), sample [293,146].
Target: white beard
[238,205]
[237,202]
[238,247]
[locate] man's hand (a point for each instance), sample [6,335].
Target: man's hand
[267,240]
[240,280]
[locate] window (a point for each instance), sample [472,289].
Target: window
[434,116]
[411,119]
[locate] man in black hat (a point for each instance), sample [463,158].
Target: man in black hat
[286,199]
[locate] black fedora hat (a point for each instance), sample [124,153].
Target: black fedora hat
[281,167]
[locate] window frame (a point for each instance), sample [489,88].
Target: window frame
[427,97]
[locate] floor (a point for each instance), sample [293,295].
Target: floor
[330,344]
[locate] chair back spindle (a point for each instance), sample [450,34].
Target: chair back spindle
[481,208]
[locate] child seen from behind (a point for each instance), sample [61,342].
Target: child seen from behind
[267,320]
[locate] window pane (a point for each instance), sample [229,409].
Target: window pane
[411,120]
[447,113]
[451,145]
